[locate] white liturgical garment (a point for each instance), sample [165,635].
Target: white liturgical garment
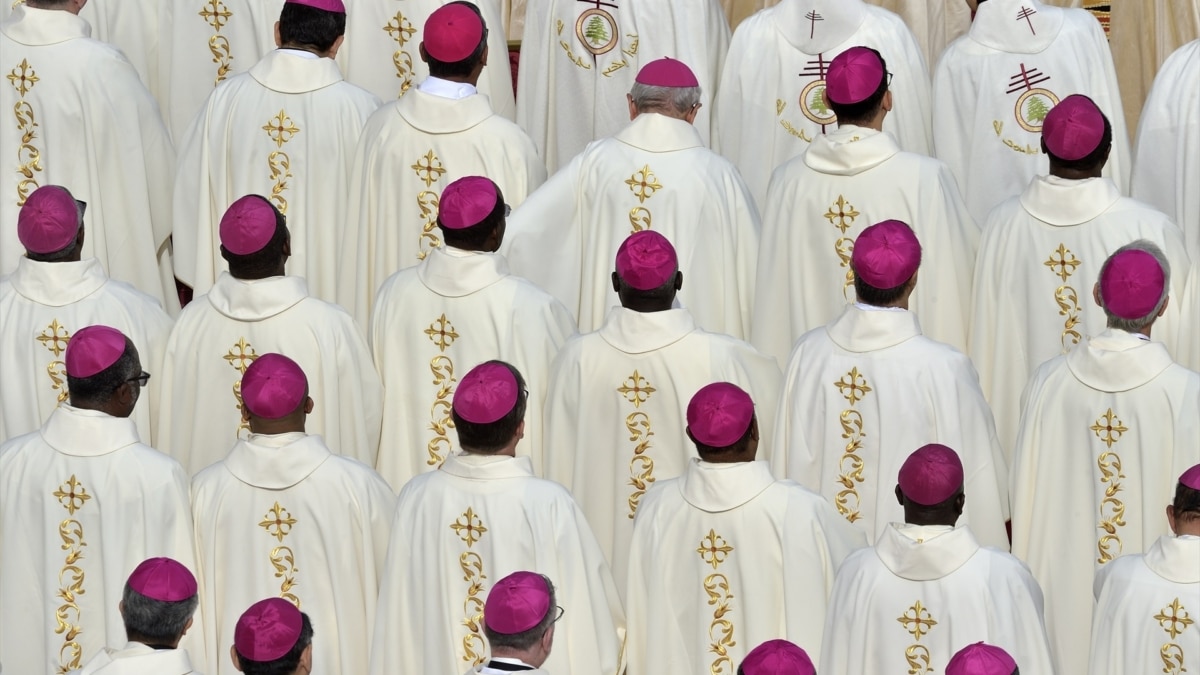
[453,311]
[616,411]
[818,204]
[726,557]
[133,27]
[1039,258]
[82,503]
[285,130]
[460,529]
[1166,169]
[770,103]
[993,88]
[409,152]
[1106,431]
[136,658]
[1146,610]
[220,334]
[77,115]
[654,174]
[863,393]
[41,306]
[283,516]
[925,592]
[1187,350]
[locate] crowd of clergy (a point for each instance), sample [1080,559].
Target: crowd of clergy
[331,344]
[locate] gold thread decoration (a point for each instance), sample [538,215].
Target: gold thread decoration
[429,168]
[643,183]
[428,201]
[239,357]
[278,522]
[641,466]
[1063,263]
[1112,510]
[469,527]
[400,29]
[217,15]
[29,158]
[72,496]
[714,550]
[917,621]
[55,338]
[441,421]
[441,332]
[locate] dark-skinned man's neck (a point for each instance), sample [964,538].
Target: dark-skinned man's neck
[646,305]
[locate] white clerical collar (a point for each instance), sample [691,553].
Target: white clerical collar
[302,53]
[643,332]
[436,115]
[862,330]
[816,26]
[292,71]
[446,88]
[1063,202]
[722,487]
[1016,26]
[149,660]
[1175,559]
[278,461]
[455,273]
[934,552]
[57,284]
[256,299]
[659,133]
[487,467]
[1116,361]
[88,433]
[38,27]
[850,150]
[874,308]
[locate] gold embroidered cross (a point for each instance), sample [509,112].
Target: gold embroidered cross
[442,333]
[278,522]
[714,549]
[1064,260]
[215,14]
[280,128]
[469,527]
[919,622]
[643,183]
[429,168]
[1111,426]
[71,495]
[55,338]
[1176,622]
[22,78]
[242,357]
[844,217]
[853,386]
[400,29]
[636,389]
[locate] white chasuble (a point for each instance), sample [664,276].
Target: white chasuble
[616,411]
[726,557]
[1039,257]
[133,27]
[925,592]
[77,115]
[41,306]
[863,393]
[818,204]
[655,174]
[993,88]
[285,130]
[1146,610]
[409,152]
[136,658]
[220,334]
[770,104]
[382,49]
[1166,168]
[82,503]
[1187,350]
[462,528]
[281,516]
[1107,429]
[453,311]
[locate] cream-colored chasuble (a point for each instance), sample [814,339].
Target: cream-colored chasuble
[1187,351]
[1166,169]
[770,102]
[818,204]
[453,311]
[1039,257]
[723,558]
[133,27]
[460,529]
[382,49]
[1106,431]
[220,334]
[655,174]
[285,130]
[82,502]
[76,114]
[138,659]
[41,306]
[281,516]
[994,87]
[923,593]
[409,152]
[1146,610]
[616,411]
[863,393]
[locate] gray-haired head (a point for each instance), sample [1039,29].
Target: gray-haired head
[1136,324]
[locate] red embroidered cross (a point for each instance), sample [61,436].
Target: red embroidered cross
[1025,79]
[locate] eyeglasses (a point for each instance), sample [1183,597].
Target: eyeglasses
[559,616]
[82,206]
[889,79]
[140,379]
[507,210]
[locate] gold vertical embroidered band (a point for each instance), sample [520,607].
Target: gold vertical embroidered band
[714,550]
[55,338]
[217,15]
[441,332]
[1109,428]
[240,356]
[1173,619]
[1063,264]
[279,523]
[29,157]
[72,496]
[917,621]
[280,129]
[429,170]
[853,387]
[637,390]
[470,529]
[401,30]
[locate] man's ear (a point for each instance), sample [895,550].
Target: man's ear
[278,36]
[234,657]
[306,658]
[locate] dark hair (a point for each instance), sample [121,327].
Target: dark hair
[304,26]
[462,68]
[525,641]
[1090,162]
[151,621]
[490,437]
[97,388]
[265,261]
[286,664]
[55,256]
[1187,502]
[737,446]
[473,238]
[864,110]
[878,297]
[946,504]
[665,292]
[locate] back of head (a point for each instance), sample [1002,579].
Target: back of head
[158,602]
[885,258]
[981,659]
[312,25]
[666,86]
[272,637]
[519,611]
[855,85]
[1185,508]
[777,657]
[1077,136]
[647,272]
[454,40]
[930,486]
[50,223]
[1133,286]
[275,395]
[720,421]
[471,214]
[489,406]
[254,238]
[99,360]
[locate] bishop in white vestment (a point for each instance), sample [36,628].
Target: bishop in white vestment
[518,620]
[77,115]
[654,174]
[82,502]
[819,202]
[863,390]
[994,86]
[770,103]
[459,307]
[282,515]
[928,587]
[726,556]
[53,293]
[481,516]
[253,309]
[288,129]
[1103,436]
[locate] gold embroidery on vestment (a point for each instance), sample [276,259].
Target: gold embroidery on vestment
[1063,263]
[72,496]
[714,550]
[441,421]
[643,183]
[29,157]
[918,621]
[429,202]
[216,14]
[1173,619]
[637,390]
[280,129]
[55,338]
[1112,510]
[471,529]
[240,356]
[853,387]
[278,523]
[441,332]
[401,30]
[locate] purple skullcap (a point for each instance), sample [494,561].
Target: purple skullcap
[777,657]
[466,202]
[163,579]
[719,414]
[273,386]
[486,394]
[1073,128]
[646,260]
[1132,284]
[667,72]
[335,6]
[452,33]
[853,76]
[931,475]
[267,630]
[48,221]
[981,659]
[886,254]
[517,603]
[248,225]
[1191,478]
[93,349]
